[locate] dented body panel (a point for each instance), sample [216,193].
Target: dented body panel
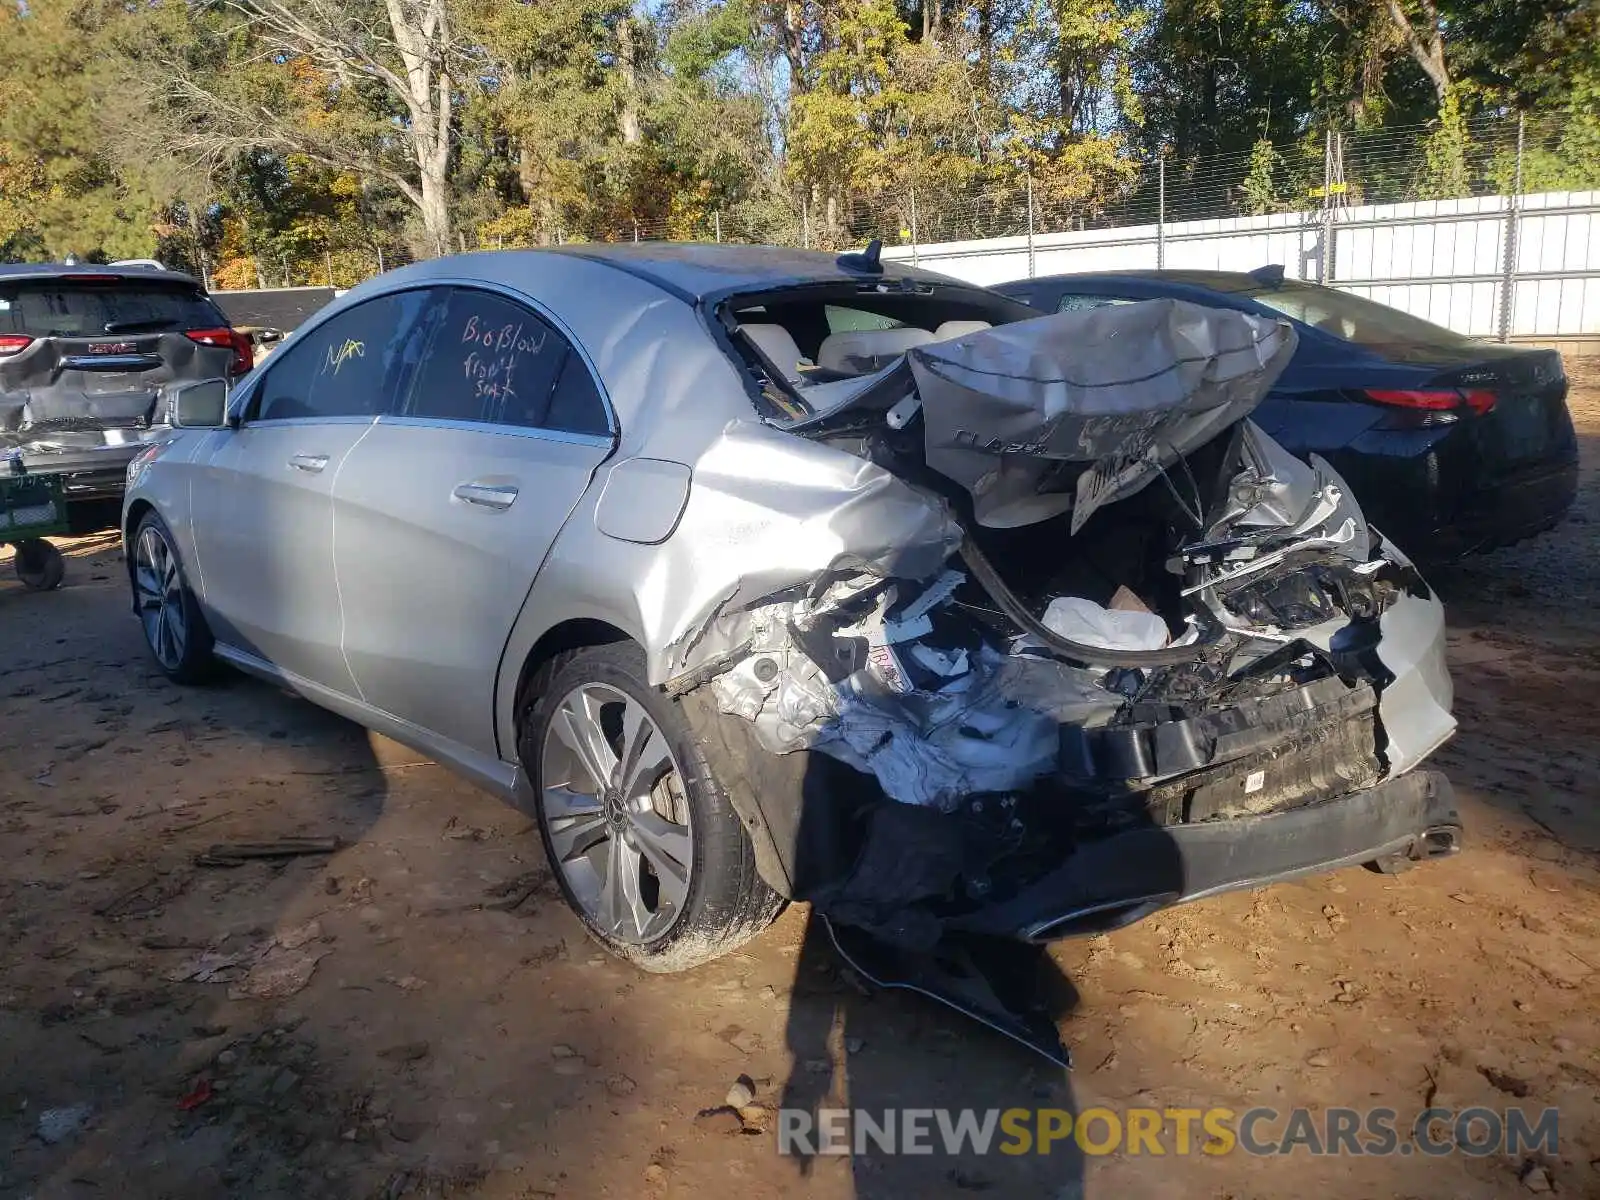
[930,706]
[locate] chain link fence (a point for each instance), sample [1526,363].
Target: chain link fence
[1328,188]
[1333,169]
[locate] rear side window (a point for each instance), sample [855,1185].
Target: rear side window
[351,366]
[1356,319]
[57,308]
[576,406]
[493,361]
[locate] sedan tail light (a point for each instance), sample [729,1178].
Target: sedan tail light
[243,353]
[1435,400]
[13,343]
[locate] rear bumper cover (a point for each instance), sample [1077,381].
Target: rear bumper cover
[1118,880]
[1520,507]
[1441,521]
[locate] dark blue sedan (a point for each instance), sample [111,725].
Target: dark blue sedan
[1452,445]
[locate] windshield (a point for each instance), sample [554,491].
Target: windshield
[814,347]
[63,308]
[1356,319]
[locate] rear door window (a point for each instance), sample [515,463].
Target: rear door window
[60,308]
[354,365]
[493,361]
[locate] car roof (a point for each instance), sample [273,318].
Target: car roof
[29,271]
[701,270]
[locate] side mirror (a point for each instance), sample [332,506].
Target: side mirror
[199,405]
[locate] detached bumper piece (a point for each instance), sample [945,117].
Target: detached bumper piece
[1122,878]
[1119,879]
[997,984]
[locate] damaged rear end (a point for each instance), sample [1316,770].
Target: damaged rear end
[86,356]
[1145,655]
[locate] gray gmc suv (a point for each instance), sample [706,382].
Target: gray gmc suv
[85,355]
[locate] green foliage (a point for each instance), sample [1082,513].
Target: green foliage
[1258,191]
[62,192]
[229,138]
[1444,168]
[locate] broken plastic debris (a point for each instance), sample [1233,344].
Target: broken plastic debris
[886,665]
[935,594]
[988,724]
[940,662]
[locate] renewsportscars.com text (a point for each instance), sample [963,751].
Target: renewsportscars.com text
[1168,1131]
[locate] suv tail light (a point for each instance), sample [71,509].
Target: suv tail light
[243,354]
[1436,400]
[13,343]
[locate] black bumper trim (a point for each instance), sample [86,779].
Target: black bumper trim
[1129,875]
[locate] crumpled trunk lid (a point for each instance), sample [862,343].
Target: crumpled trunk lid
[1123,390]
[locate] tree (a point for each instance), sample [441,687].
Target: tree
[1258,191]
[303,139]
[1422,31]
[70,197]
[363,87]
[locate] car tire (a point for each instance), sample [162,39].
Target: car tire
[175,630]
[624,797]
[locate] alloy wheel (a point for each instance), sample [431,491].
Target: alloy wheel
[158,588]
[616,813]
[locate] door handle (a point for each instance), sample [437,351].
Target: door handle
[497,496]
[308,462]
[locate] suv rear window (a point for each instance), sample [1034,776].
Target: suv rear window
[61,308]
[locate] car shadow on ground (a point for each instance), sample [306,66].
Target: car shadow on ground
[915,1076]
[170,1029]
[933,1063]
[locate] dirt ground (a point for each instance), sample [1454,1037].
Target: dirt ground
[418,1015]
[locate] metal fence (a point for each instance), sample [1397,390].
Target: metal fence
[1495,237]
[1510,267]
[1493,231]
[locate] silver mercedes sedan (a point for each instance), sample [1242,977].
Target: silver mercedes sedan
[760,575]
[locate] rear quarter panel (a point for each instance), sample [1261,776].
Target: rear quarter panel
[673,391]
